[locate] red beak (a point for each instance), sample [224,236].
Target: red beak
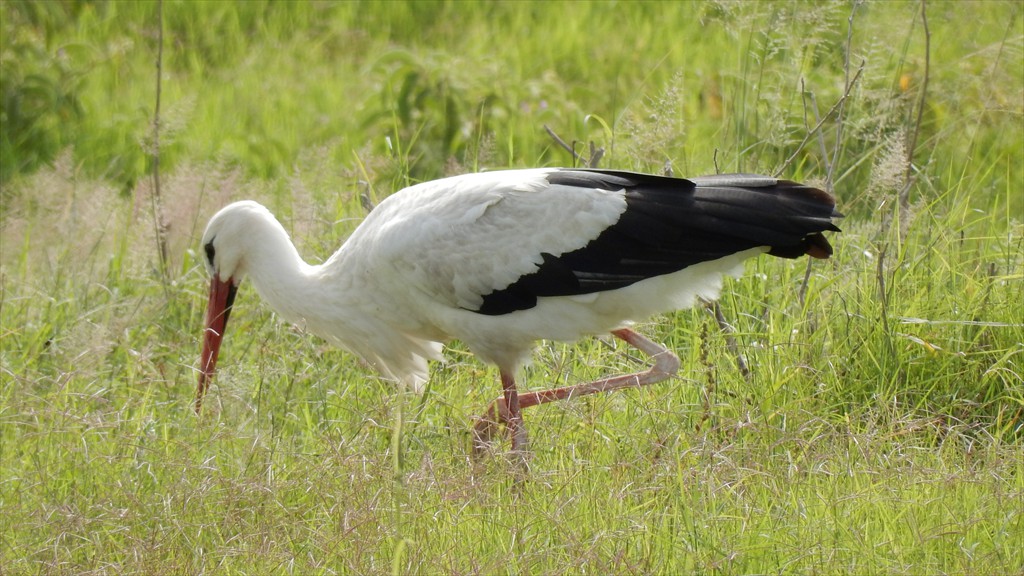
[222,296]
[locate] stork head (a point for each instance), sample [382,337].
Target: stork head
[225,244]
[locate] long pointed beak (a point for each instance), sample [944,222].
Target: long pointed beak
[222,296]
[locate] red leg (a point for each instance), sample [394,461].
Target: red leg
[666,364]
[514,420]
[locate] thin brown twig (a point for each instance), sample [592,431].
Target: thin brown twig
[730,340]
[883,292]
[908,178]
[821,136]
[802,293]
[364,197]
[841,104]
[595,155]
[576,155]
[831,111]
[159,223]
[842,101]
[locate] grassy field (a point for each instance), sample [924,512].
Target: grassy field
[861,416]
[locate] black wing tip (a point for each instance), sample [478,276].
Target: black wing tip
[813,209]
[813,245]
[816,206]
[672,223]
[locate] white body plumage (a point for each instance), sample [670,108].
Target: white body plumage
[499,260]
[410,277]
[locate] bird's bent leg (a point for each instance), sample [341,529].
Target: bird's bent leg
[666,365]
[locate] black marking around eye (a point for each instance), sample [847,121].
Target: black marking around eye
[209,252]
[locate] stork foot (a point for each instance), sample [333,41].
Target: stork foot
[486,428]
[487,431]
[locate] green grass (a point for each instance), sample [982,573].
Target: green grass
[879,429]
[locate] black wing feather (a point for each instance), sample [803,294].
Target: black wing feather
[672,223]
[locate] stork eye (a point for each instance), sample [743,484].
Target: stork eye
[209,252]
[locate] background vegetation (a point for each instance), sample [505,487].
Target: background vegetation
[867,421]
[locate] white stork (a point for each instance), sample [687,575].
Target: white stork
[499,260]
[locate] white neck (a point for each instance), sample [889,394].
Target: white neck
[293,288]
